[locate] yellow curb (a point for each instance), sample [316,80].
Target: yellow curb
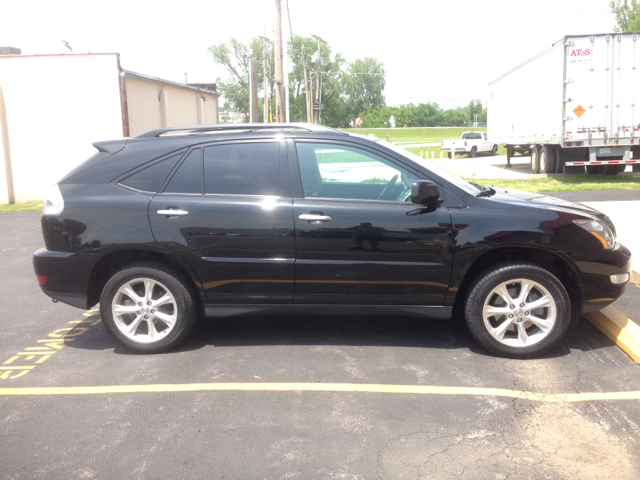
[619,328]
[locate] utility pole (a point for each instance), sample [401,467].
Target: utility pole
[253,67]
[278,62]
[307,95]
[266,93]
[319,76]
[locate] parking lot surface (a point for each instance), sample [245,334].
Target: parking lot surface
[352,397]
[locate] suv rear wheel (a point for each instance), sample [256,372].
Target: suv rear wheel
[517,310]
[148,308]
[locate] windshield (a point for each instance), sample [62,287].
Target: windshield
[457,181]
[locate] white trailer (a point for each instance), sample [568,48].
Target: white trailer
[572,106]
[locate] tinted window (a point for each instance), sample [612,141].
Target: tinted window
[337,171]
[472,136]
[188,178]
[242,169]
[150,179]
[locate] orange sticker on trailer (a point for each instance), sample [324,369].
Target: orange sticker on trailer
[579,110]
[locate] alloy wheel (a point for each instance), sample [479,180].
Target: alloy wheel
[519,313]
[144,310]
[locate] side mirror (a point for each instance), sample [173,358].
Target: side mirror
[424,192]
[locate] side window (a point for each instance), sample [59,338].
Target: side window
[188,178]
[150,179]
[485,136]
[242,169]
[337,171]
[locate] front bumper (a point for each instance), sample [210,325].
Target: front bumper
[596,270]
[68,275]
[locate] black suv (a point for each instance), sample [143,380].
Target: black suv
[215,221]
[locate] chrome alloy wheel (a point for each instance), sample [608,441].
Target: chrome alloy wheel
[519,313]
[144,310]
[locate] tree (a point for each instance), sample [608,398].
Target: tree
[364,83]
[235,57]
[302,49]
[627,15]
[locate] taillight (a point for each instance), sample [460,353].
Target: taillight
[41,279]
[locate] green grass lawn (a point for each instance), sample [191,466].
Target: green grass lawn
[416,134]
[567,183]
[22,207]
[422,151]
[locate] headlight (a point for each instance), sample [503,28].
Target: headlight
[598,230]
[54,204]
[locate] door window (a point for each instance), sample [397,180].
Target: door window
[338,171]
[188,177]
[242,169]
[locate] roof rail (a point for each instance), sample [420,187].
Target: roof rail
[249,127]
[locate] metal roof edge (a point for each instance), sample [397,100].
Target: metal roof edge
[150,78]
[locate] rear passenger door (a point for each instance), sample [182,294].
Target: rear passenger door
[227,209]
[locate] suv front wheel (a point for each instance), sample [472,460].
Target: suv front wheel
[517,310]
[148,308]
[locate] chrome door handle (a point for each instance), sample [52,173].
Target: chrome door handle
[314,217]
[173,213]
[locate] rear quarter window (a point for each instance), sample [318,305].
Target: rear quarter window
[150,179]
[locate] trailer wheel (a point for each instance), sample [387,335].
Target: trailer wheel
[559,160]
[547,159]
[494,150]
[592,169]
[636,168]
[472,153]
[535,156]
[448,154]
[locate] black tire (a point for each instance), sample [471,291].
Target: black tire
[636,168]
[473,152]
[494,150]
[610,169]
[593,170]
[482,288]
[547,159]
[168,279]
[535,155]
[559,160]
[448,154]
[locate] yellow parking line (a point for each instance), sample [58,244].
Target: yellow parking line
[326,387]
[619,328]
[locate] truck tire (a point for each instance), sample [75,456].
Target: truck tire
[547,159]
[473,152]
[448,154]
[535,156]
[494,150]
[636,168]
[559,160]
[592,170]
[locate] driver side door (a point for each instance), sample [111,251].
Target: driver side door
[359,239]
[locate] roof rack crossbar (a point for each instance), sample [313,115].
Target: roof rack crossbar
[309,127]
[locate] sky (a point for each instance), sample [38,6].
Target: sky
[433,51]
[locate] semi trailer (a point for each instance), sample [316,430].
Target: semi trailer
[572,106]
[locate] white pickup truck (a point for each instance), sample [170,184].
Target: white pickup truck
[471,143]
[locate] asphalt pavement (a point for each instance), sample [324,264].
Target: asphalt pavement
[240,398]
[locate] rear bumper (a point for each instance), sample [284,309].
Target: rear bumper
[67,275]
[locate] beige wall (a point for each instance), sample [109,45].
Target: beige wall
[57,106]
[146,100]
